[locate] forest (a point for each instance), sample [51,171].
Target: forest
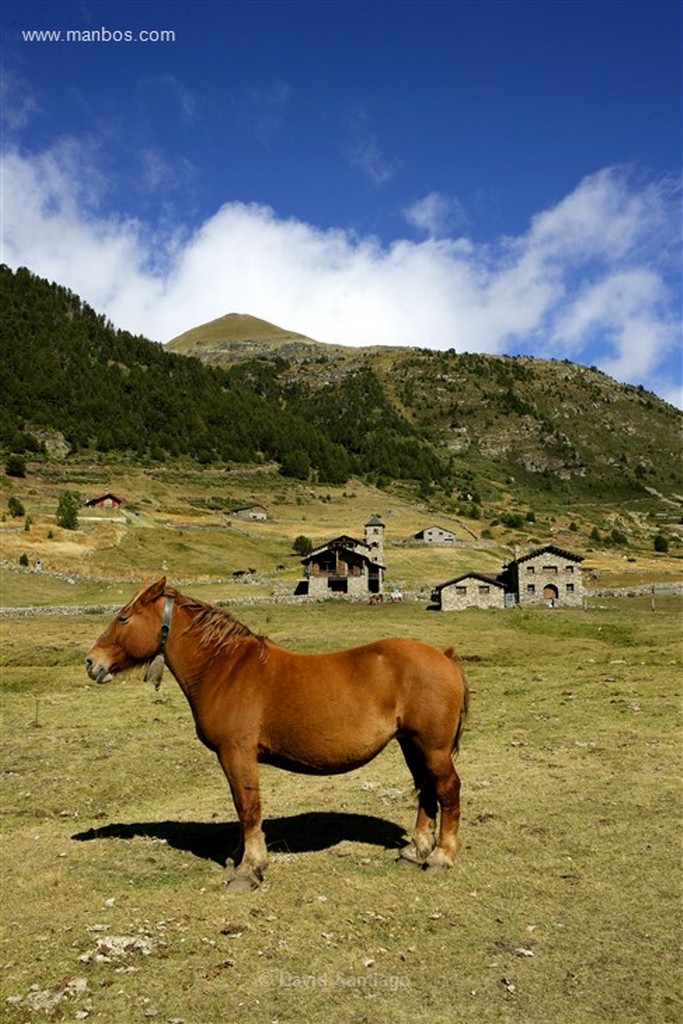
[66,368]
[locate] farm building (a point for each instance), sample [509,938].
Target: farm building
[547,575]
[434,535]
[107,500]
[346,565]
[473,590]
[251,512]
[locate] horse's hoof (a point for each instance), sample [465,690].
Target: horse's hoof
[407,862]
[243,883]
[438,861]
[411,855]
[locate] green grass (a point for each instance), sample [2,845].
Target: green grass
[117,821]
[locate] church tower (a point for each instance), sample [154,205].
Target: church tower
[374,538]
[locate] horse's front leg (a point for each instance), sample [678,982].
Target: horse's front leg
[241,770]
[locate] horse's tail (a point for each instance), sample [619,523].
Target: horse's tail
[464,707]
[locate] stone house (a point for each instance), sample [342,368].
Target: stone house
[346,566]
[473,590]
[251,512]
[547,575]
[434,535]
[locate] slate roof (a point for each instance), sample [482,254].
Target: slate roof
[551,549]
[482,577]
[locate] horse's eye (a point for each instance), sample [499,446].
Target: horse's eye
[123,619]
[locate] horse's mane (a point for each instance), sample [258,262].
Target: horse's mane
[213,626]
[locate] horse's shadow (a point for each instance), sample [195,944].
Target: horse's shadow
[298,833]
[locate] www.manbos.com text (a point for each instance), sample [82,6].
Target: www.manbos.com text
[98,35]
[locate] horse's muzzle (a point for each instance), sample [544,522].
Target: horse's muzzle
[100,673]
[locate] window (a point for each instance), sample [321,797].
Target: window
[531,569]
[569,568]
[530,588]
[570,588]
[461,590]
[484,589]
[549,568]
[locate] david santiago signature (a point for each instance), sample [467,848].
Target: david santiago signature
[284,979]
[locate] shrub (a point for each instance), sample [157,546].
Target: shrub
[15,466]
[15,507]
[302,545]
[661,543]
[512,520]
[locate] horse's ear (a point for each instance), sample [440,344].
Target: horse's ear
[153,592]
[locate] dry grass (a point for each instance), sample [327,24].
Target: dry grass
[561,907]
[173,528]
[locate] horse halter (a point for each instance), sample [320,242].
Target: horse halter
[155,668]
[165,624]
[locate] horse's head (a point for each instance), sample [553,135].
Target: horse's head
[131,639]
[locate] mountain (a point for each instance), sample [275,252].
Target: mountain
[541,424]
[238,336]
[68,375]
[457,428]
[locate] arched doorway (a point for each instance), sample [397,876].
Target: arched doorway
[550,593]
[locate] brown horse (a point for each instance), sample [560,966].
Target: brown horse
[254,701]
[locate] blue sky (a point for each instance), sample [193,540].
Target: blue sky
[488,176]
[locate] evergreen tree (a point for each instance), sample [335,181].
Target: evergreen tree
[15,507]
[67,510]
[15,466]
[302,545]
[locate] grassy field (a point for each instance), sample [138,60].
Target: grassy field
[561,908]
[175,520]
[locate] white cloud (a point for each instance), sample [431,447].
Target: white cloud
[362,149]
[159,175]
[17,103]
[587,281]
[436,214]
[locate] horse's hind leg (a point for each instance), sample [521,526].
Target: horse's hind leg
[447,786]
[424,835]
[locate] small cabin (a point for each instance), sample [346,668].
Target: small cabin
[473,590]
[107,500]
[434,535]
[253,513]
